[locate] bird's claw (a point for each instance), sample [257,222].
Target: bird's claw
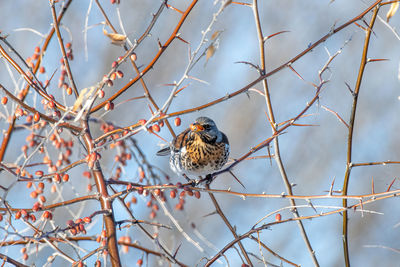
[193,182]
[209,179]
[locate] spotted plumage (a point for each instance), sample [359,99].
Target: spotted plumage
[199,150]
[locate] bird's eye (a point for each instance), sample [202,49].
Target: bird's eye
[207,126]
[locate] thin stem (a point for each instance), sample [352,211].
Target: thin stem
[226,221]
[7,135]
[162,49]
[150,97]
[62,48]
[6,258]
[363,63]
[105,201]
[277,157]
[42,116]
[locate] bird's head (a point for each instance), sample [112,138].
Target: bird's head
[206,128]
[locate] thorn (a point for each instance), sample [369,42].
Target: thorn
[358,25]
[372,185]
[211,213]
[298,75]
[241,3]
[311,205]
[331,188]
[270,121]
[391,185]
[273,35]
[237,179]
[160,46]
[269,154]
[251,64]
[336,114]
[151,110]
[248,95]
[180,38]
[177,91]
[173,8]
[376,59]
[176,251]
[348,87]
[362,208]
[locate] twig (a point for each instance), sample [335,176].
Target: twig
[228,224]
[350,133]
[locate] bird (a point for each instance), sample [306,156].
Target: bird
[199,150]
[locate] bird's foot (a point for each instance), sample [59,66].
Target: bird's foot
[193,182]
[209,178]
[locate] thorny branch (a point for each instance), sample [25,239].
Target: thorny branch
[57,136]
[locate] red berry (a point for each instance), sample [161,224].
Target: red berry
[140,190]
[70,223]
[29,119]
[142,174]
[41,185]
[57,178]
[18,215]
[19,112]
[24,213]
[69,91]
[109,106]
[87,174]
[177,121]
[47,215]
[152,215]
[4,100]
[101,94]
[65,177]
[120,74]
[87,220]
[155,128]
[42,198]
[36,117]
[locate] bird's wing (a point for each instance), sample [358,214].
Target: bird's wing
[176,144]
[180,140]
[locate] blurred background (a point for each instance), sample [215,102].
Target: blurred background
[313,156]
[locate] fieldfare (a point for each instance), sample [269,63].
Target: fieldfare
[199,150]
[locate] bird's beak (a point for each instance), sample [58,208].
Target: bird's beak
[195,127]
